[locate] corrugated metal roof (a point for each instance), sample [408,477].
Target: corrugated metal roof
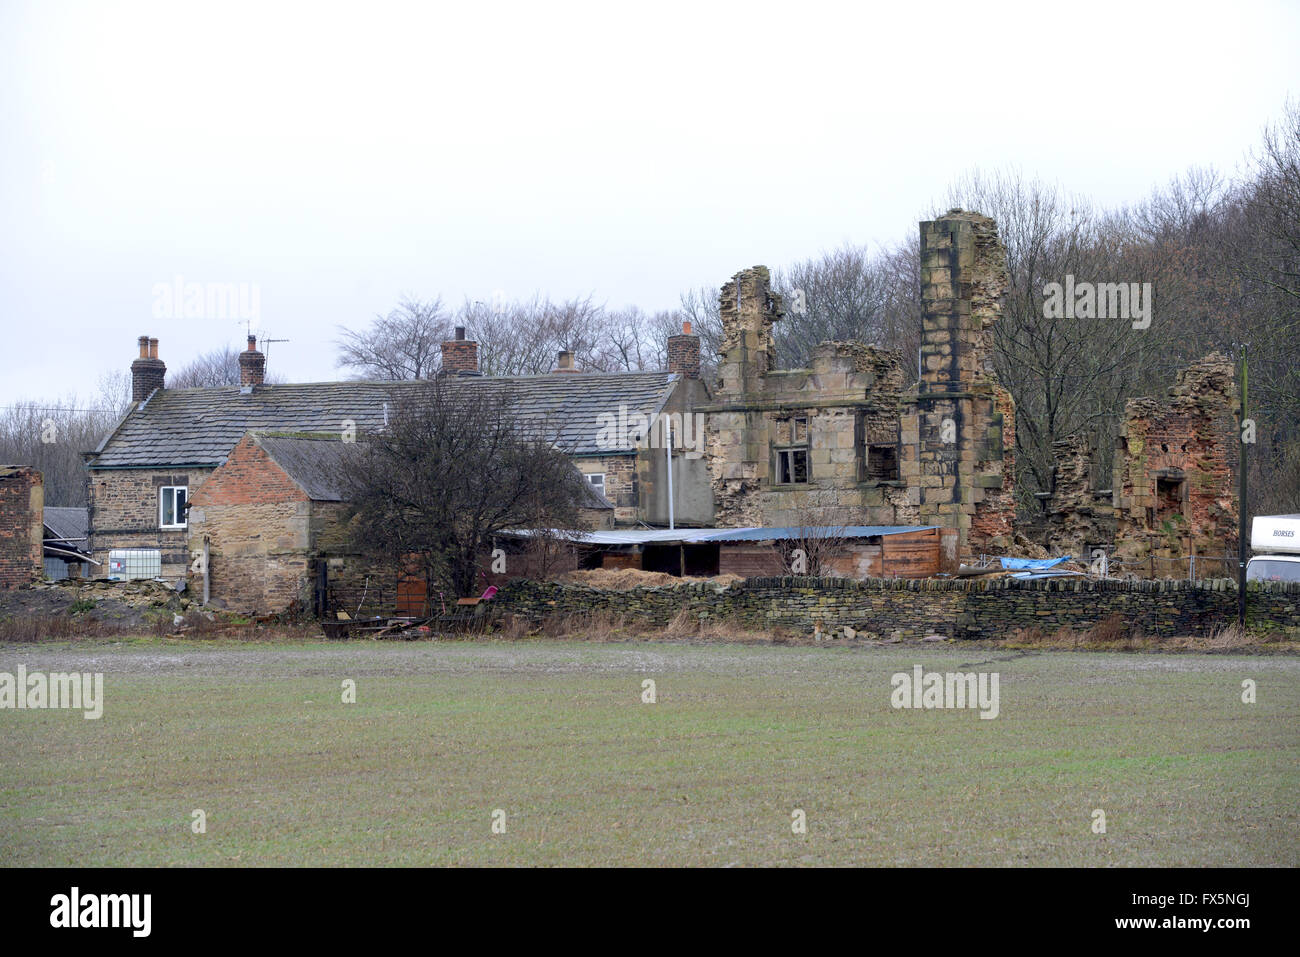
[66,524]
[695,536]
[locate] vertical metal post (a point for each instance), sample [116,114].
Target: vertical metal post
[668,443]
[1242,500]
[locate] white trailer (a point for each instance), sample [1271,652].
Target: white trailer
[1275,540]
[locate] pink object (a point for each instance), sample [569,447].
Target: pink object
[491,590]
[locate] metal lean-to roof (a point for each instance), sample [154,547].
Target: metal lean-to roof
[696,536]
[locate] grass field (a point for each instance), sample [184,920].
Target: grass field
[555,735]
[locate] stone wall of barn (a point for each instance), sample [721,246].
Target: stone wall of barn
[123,513]
[256,522]
[22,525]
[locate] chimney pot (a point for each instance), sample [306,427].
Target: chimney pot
[148,372]
[252,365]
[460,333]
[684,353]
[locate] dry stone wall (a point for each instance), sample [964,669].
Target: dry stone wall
[915,608]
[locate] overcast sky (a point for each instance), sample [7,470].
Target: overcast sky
[336,157]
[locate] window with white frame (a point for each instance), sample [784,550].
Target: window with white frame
[598,480]
[171,506]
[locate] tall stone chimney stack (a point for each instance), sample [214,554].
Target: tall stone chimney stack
[148,372]
[252,365]
[748,308]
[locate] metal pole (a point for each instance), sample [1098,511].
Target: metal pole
[1242,500]
[668,443]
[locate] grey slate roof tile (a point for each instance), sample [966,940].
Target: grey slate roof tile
[199,427]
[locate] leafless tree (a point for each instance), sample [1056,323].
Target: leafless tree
[53,435]
[214,369]
[455,467]
[404,344]
[814,547]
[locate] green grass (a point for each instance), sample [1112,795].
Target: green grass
[555,734]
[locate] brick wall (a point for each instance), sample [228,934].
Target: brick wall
[22,525]
[913,608]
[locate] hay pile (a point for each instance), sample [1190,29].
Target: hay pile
[623,579]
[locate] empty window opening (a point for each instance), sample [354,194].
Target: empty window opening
[792,466]
[1169,498]
[882,463]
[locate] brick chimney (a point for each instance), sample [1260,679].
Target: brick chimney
[564,362]
[147,372]
[684,353]
[460,355]
[252,365]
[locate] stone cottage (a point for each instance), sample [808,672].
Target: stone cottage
[147,471]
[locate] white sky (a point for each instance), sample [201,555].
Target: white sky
[339,156]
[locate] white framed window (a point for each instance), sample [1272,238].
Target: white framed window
[598,480]
[171,506]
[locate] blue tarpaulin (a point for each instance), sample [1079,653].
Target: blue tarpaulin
[1033,564]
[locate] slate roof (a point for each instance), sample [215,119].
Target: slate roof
[314,464]
[66,524]
[199,427]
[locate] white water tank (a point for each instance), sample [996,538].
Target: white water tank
[126,564]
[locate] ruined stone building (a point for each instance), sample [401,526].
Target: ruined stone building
[842,443]
[1173,490]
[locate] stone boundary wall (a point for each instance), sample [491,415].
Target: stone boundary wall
[914,608]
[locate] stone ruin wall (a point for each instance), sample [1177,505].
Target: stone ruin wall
[959,427]
[1173,486]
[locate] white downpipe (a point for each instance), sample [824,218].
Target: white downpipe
[668,447]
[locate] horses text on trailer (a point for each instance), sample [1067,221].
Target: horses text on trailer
[1275,540]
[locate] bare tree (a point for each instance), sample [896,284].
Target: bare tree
[53,435]
[405,344]
[523,337]
[455,467]
[212,370]
[814,547]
